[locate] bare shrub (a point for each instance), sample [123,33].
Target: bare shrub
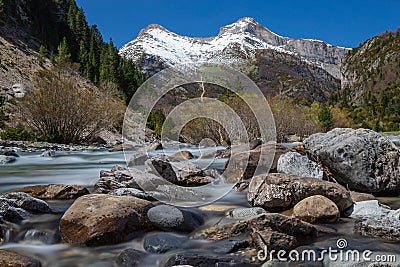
[63,109]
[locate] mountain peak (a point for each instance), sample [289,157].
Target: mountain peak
[151,27]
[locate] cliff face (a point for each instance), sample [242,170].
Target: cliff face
[155,47]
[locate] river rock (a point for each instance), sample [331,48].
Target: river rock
[130,258]
[122,177]
[370,208]
[296,164]
[9,213]
[247,162]
[202,259]
[316,209]
[180,173]
[121,147]
[26,202]
[245,213]
[358,197]
[362,159]
[96,219]
[163,242]
[182,155]
[154,146]
[138,159]
[14,259]
[385,227]
[277,191]
[48,154]
[133,192]
[167,218]
[6,159]
[8,152]
[54,191]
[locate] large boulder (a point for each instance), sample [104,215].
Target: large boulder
[277,191]
[54,191]
[14,259]
[98,219]
[362,159]
[296,164]
[246,162]
[316,209]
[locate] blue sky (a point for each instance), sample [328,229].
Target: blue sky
[341,22]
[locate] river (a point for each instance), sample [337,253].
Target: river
[38,235]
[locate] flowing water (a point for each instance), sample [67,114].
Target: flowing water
[38,235]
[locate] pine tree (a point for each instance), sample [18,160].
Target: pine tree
[325,117]
[42,54]
[63,55]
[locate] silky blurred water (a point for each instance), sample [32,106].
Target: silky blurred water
[38,235]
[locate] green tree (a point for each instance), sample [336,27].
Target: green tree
[43,52]
[63,55]
[325,117]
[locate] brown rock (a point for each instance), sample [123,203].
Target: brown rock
[97,219]
[358,197]
[182,155]
[54,191]
[316,209]
[121,147]
[13,259]
[278,192]
[247,162]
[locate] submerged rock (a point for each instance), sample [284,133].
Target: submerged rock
[14,259]
[54,191]
[163,242]
[358,197]
[362,159]
[130,258]
[202,259]
[95,219]
[278,191]
[316,209]
[296,164]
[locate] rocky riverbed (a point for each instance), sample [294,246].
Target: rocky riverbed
[86,208]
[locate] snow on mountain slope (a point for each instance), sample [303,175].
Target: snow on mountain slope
[156,48]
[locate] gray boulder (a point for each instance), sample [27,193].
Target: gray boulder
[277,191]
[296,164]
[362,159]
[167,217]
[130,258]
[26,202]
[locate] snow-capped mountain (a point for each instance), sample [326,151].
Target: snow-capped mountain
[156,48]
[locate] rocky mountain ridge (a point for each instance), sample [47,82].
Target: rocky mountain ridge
[156,48]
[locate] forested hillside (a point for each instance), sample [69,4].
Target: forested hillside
[49,26]
[371,83]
